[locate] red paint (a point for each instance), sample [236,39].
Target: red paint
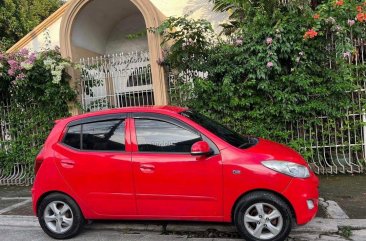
[166,186]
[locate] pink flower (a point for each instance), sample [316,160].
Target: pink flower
[351,22]
[11,72]
[12,62]
[239,42]
[24,52]
[32,57]
[346,54]
[269,40]
[269,65]
[20,76]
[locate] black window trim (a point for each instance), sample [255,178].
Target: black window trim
[176,122]
[99,118]
[89,120]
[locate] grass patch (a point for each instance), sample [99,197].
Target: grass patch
[345,232]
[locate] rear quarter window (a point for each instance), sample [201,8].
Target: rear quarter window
[73,137]
[106,135]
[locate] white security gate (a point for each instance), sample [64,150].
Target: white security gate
[114,81]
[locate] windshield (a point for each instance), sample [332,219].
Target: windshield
[221,131]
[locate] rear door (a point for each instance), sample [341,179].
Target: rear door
[94,160]
[169,181]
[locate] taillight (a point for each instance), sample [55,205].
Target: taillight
[38,162]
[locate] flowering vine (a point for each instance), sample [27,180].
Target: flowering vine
[17,66]
[36,91]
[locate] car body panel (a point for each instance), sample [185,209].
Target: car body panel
[99,178]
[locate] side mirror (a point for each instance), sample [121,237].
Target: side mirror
[201,148]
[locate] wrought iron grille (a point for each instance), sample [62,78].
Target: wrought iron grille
[117,80]
[20,173]
[338,145]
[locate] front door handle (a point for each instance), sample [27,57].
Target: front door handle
[147,168]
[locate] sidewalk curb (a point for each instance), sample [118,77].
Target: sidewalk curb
[318,225]
[332,209]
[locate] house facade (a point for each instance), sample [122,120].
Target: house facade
[120,59]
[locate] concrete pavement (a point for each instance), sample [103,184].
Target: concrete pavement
[18,223]
[14,228]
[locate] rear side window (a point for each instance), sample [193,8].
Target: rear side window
[97,136]
[161,136]
[104,136]
[73,137]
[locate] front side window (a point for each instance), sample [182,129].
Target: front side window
[161,136]
[221,131]
[97,136]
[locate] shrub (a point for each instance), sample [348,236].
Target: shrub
[34,91]
[290,63]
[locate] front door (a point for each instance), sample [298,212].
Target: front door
[95,163]
[169,181]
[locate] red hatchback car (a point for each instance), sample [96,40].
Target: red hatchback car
[168,163]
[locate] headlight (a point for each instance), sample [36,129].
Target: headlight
[288,168]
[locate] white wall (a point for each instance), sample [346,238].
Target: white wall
[52,34]
[197,9]
[118,41]
[102,28]
[97,20]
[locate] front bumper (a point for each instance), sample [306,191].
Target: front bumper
[300,193]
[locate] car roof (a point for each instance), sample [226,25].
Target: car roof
[153,109]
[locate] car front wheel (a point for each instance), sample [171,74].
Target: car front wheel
[59,216]
[263,216]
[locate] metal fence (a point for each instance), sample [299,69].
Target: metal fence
[20,173]
[338,145]
[117,80]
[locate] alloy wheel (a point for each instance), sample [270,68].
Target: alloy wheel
[58,217]
[263,221]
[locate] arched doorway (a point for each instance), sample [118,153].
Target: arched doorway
[119,56]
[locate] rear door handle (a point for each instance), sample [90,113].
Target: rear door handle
[67,163]
[147,168]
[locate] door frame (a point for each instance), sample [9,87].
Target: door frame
[180,123]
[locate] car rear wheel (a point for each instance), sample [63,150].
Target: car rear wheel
[59,216]
[263,216]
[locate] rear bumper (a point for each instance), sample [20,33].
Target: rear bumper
[34,201]
[300,192]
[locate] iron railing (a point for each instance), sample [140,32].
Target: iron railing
[21,173]
[117,80]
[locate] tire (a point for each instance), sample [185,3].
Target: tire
[261,216]
[59,216]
